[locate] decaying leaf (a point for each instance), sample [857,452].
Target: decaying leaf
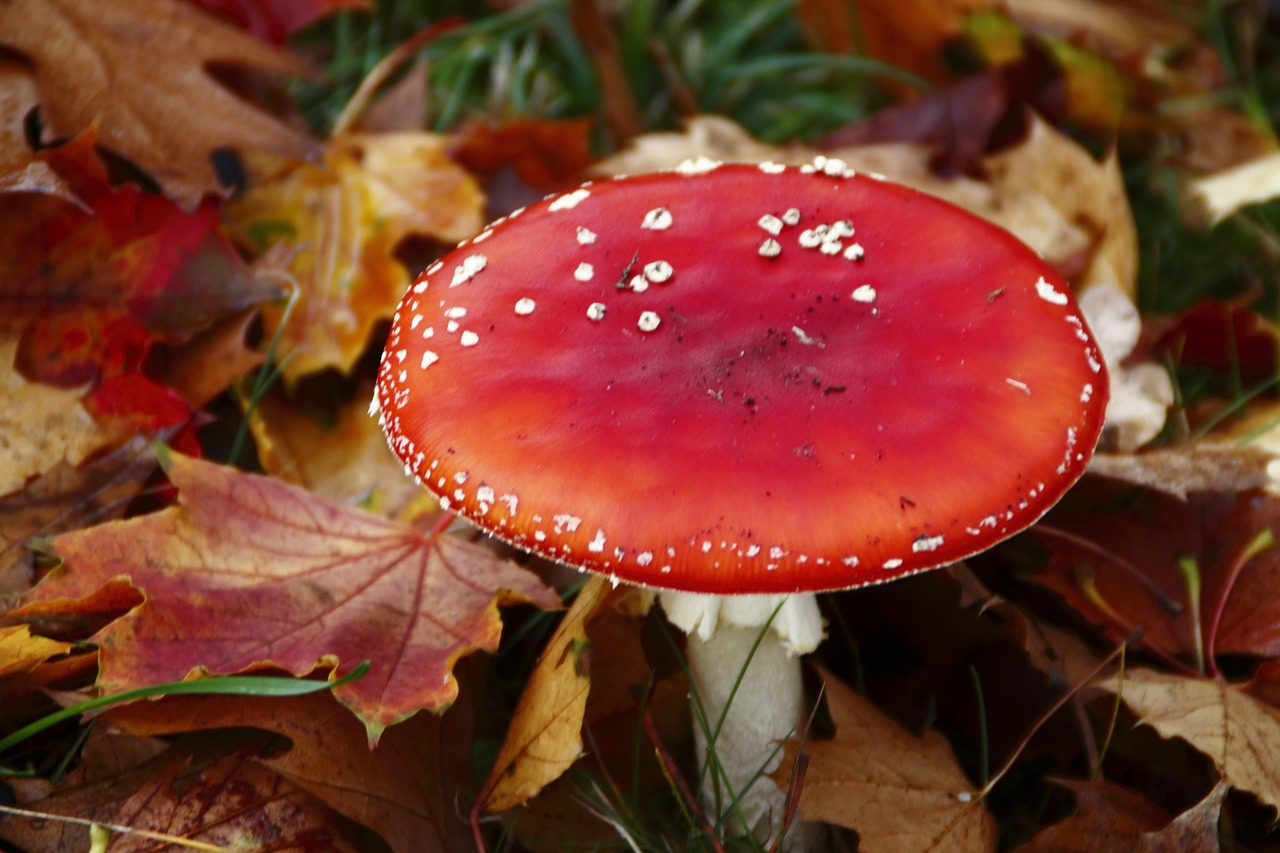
[405,790]
[1237,731]
[1194,829]
[20,651]
[1108,817]
[20,169]
[346,216]
[545,736]
[899,791]
[165,112]
[235,803]
[248,572]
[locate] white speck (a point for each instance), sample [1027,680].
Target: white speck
[964,797]
[445,503]
[644,558]
[1021,386]
[525,306]
[428,332]
[843,228]
[569,200]
[374,405]
[455,313]
[770,248]
[648,321]
[511,501]
[988,521]
[851,561]
[1094,364]
[565,522]
[420,287]
[771,168]
[926,543]
[459,495]
[469,339]
[595,311]
[706,547]
[404,374]
[792,216]
[833,167]
[585,236]
[805,339]
[539,536]
[468,269]
[486,494]
[1087,393]
[658,272]
[776,553]
[482,236]
[400,355]
[810,238]
[699,166]
[431,270]
[658,219]
[452,326]
[831,247]
[752,550]
[864,293]
[460,477]
[1048,293]
[417,321]
[638,284]
[892,564]
[854,252]
[584,272]
[770,223]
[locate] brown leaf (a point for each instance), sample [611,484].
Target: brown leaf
[545,736]
[141,68]
[248,572]
[20,170]
[899,791]
[1194,829]
[1107,817]
[404,790]
[66,497]
[204,368]
[1206,466]
[1237,731]
[345,217]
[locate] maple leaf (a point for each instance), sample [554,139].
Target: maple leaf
[234,803]
[248,572]
[345,217]
[899,791]
[405,789]
[1239,733]
[141,68]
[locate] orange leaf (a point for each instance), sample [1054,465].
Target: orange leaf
[247,572]
[1107,817]
[140,66]
[21,652]
[545,736]
[899,791]
[345,217]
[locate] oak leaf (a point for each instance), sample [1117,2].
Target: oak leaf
[545,736]
[404,790]
[248,572]
[345,217]
[141,67]
[1239,733]
[899,791]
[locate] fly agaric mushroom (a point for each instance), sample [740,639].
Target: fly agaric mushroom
[741,385]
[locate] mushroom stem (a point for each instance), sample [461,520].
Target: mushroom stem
[750,701]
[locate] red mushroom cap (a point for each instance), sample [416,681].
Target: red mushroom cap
[744,379]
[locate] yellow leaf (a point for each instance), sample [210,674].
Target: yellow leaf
[345,217]
[22,652]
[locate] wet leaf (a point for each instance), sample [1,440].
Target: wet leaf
[1237,731]
[899,791]
[248,572]
[166,114]
[345,217]
[545,736]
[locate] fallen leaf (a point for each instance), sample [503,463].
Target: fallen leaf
[545,735]
[1227,336]
[909,34]
[898,791]
[1240,734]
[544,155]
[340,456]
[209,364]
[20,169]
[276,20]
[1194,829]
[1108,817]
[404,790]
[1205,466]
[235,803]
[40,428]
[248,572]
[22,652]
[166,114]
[345,217]
[1222,194]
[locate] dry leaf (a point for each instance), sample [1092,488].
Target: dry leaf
[22,652]
[898,791]
[1108,817]
[140,67]
[405,790]
[1223,194]
[345,217]
[1195,829]
[1206,466]
[545,736]
[20,170]
[1238,732]
[248,572]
